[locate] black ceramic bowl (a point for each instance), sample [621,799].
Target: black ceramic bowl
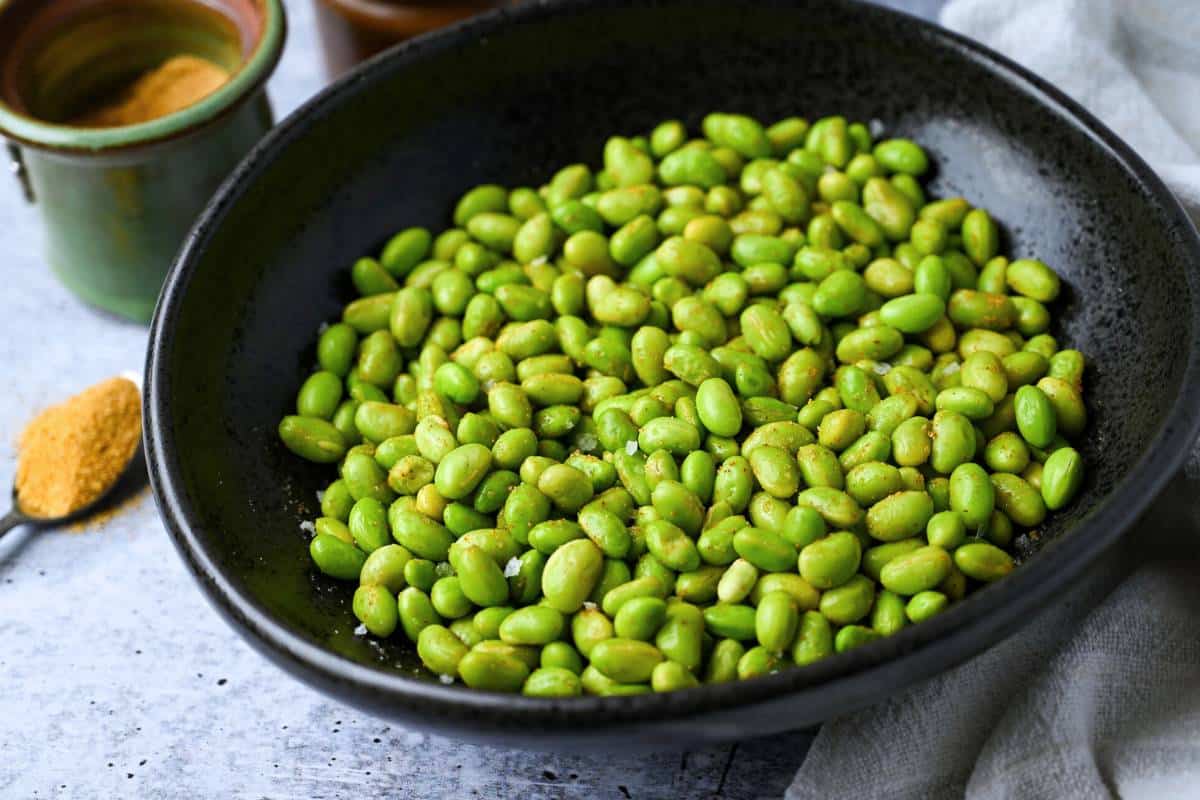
[506,98]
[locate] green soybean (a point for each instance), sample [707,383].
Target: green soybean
[709,408]
[1062,476]
[983,561]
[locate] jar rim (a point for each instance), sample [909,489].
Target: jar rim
[30,131]
[405,19]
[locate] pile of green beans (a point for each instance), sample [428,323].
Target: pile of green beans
[726,404]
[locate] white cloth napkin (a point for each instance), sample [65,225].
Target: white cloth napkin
[1135,64]
[1100,696]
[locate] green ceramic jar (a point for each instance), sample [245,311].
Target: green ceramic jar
[118,201]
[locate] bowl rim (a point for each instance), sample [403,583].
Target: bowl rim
[839,683]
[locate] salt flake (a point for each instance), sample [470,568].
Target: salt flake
[631,447]
[513,567]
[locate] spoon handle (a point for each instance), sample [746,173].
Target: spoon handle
[10,521]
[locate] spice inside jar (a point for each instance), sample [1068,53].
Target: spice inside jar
[174,85]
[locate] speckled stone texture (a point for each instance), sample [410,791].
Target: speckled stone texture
[120,681]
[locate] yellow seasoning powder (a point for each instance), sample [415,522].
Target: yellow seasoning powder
[174,85]
[73,453]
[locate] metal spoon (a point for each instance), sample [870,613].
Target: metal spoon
[132,477]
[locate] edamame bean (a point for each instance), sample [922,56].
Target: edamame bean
[814,639]
[336,557]
[849,602]
[776,620]
[767,550]
[972,495]
[953,441]
[946,529]
[901,155]
[718,407]
[642,422]
[887,616]
[570,575]
[983,561]
[924,605]
[552,682]
[832,561]
[1017,499]
[625,660]
[1033,279]
[1070,414]
[870,482]
[1062,475]
[312,439]
[1035,416]
[440,650]
[492,671]
[853,636]
[899,516]
[922,569]
[532,625]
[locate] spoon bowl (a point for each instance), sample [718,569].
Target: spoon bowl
[132,478]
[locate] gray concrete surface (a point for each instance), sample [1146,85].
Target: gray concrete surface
[120,681]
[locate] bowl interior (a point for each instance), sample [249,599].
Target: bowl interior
[396,145]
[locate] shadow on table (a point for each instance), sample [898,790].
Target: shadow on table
[764,768]
[130,486]
[753,769]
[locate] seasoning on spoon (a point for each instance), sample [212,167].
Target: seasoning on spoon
[73,453]
[174,85]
